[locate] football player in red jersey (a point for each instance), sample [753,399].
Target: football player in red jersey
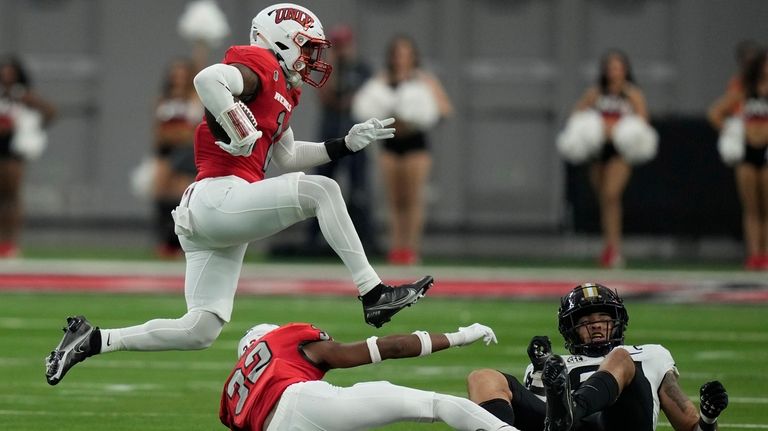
[276,383]
[603,384]
[249,98]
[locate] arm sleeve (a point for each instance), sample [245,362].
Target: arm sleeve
[216,84]
[298,155]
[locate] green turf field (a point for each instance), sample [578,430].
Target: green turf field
[180,390]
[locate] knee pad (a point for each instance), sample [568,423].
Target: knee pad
[203,327]
[314,190]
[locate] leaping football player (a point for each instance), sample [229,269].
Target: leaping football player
[249,99]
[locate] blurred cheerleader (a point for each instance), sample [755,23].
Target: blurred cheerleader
[609,129]
[24,114]
[418,101]
[744,143]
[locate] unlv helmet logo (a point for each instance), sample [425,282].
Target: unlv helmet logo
[289,13]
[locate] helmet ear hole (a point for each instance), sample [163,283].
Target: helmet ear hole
[282,46]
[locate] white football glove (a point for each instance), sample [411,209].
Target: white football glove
[240,125]
[470,334]
[362,134]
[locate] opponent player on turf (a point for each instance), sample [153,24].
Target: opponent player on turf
[276,383]
[603,384]
[249,99]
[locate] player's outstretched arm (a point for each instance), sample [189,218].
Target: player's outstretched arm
[299,155]
[346,355]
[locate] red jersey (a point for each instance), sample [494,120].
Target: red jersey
[262,373]
[271,106]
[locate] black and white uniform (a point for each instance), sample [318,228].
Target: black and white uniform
[637,408]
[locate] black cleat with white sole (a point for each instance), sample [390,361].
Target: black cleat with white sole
[394,299]
[76,345]
[557,389]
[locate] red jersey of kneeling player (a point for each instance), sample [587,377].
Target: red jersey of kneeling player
[262,373]
[271,106]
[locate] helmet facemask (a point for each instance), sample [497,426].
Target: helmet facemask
[310,65]
[598,299]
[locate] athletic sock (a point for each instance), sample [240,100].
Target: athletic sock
[95,340]
[110,340]
[500,408]
[599,391]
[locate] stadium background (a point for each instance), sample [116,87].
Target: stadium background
[513,68]
[500,195]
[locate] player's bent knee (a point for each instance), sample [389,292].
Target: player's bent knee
[620,364]
[483,375]
[484,383]
[205,330]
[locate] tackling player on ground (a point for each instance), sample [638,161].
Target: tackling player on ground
[603,384]
[276,383]
[249,99]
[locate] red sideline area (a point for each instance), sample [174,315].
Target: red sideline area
[678,291]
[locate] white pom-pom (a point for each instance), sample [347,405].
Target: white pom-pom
[203,20]
[375,99]
[143,178]
[416,104]
[730,144]
[29,138]
[582,137]
[635,139]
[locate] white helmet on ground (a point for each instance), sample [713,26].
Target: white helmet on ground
[296,36]
[252,335]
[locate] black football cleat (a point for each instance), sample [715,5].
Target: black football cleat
[557,389]
[75,346]
[394,299]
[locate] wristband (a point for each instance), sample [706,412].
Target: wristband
[373,349]
[455,339]
[705,425]
[337,148]
[426,342]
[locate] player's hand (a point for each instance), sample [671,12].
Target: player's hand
[538,350]
[470,334]
[362,134]
[239,123]
[714,399]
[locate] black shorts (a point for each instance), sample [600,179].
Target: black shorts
[757,157]
[183,160]
[608,152]
[632,411]
[5,149]
[406,144]
[529,409]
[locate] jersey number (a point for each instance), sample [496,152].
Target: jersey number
[278,132]
[261,355]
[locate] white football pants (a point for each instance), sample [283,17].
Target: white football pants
[318,405]
[215,220]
